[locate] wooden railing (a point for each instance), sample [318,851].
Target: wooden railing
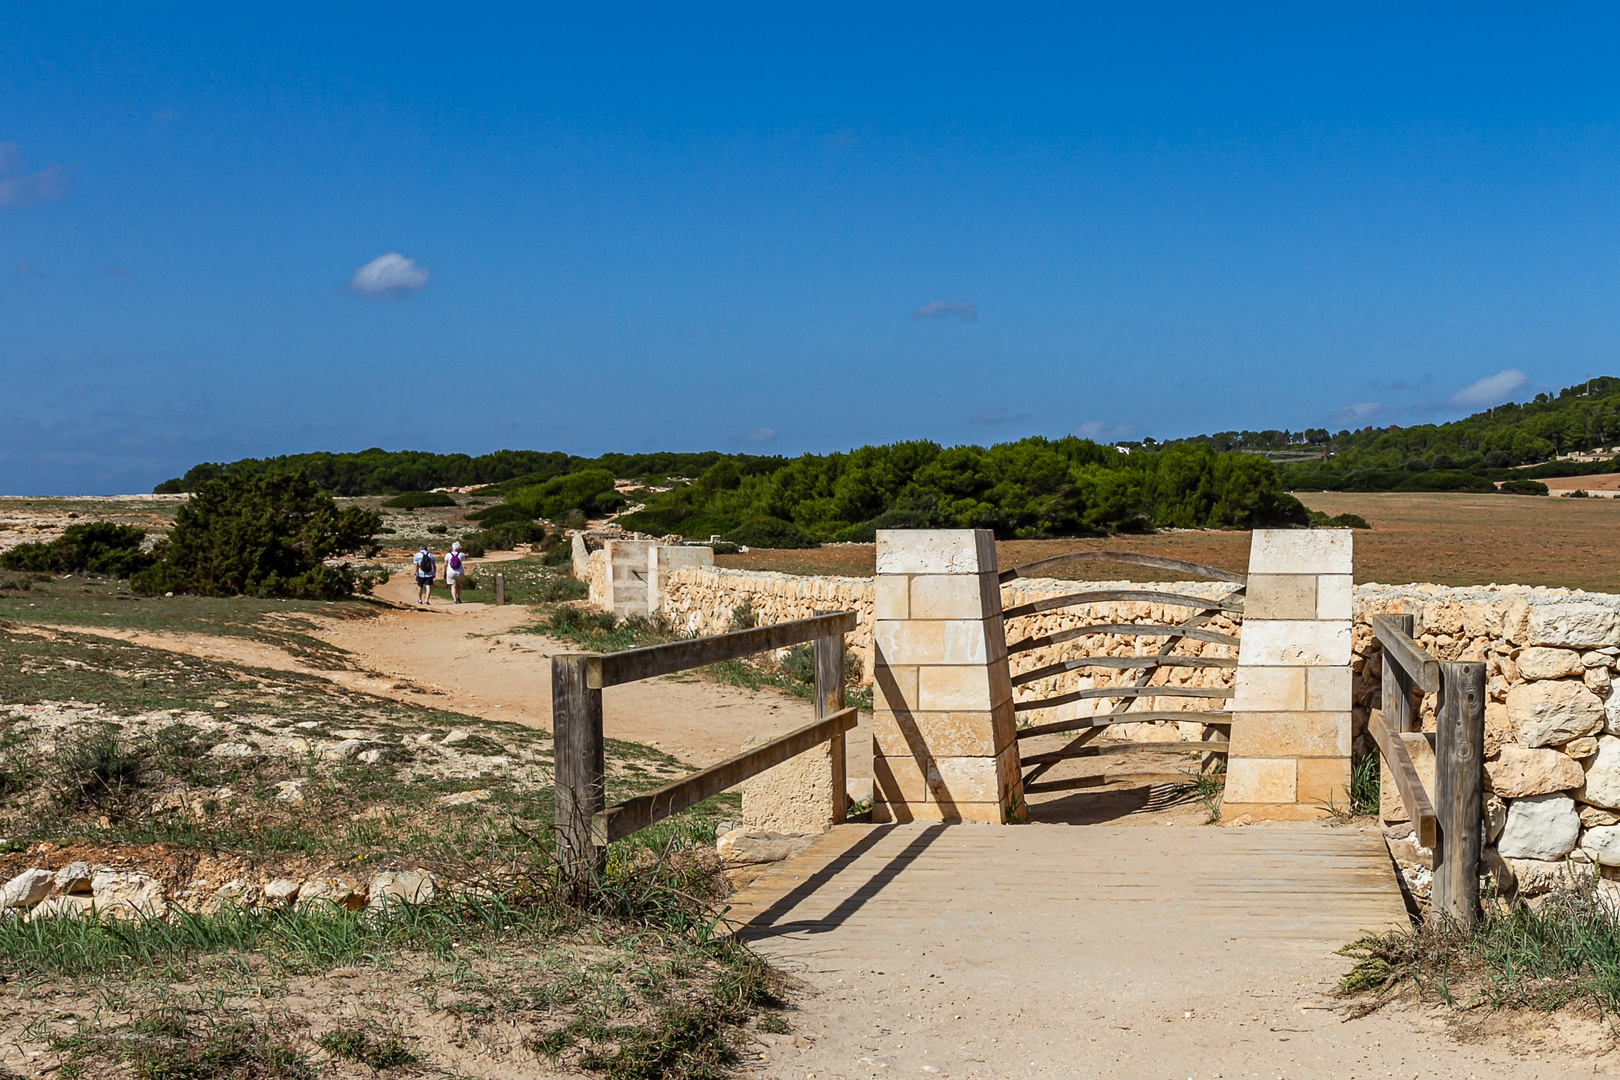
[1201,609]
[585,826]
[1452,822]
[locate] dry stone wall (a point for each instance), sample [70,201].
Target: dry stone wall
[1552,723]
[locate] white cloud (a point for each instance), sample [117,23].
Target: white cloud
[1101,431]
[759,435]
[28,269]
[18,188]
[1492,388]
[388,277]
[947,309]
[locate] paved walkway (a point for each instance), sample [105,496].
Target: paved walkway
[1111,950]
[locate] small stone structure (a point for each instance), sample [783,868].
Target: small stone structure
[627,575]
[1290,752]
[943,746]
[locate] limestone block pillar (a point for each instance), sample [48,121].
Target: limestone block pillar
[943,746]
[625,590]
[1290,753]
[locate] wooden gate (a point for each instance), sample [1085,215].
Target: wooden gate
[1216,722]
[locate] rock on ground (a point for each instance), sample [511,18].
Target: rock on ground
[26,889]
[126,895]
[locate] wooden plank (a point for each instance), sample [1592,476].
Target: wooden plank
[1404,774]
[1124,662]
[1158,562]
[829,693]
[579,766]
[1110,596]
[1211,718]
[1121,692]
[1396,684]
[646,663]
[1122,629]
[1217,747]
[633,815]
[1399,646]
[1459,758]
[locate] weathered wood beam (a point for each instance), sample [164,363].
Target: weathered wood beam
[633,815]
[1404,774]
[1211,718]
[632,665]
[1219,692]
[1399,647]
[1126,662]
[1122,629]
[1114,596]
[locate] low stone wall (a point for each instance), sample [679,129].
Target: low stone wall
[1552,715]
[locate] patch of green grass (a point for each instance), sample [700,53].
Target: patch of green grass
[1364,784]
[1566,950]
[356,1044]
[167,1044]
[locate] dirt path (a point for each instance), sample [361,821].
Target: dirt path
[468,658]
[1147,947]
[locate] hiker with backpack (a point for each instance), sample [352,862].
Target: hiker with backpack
[425,569]
[455,571]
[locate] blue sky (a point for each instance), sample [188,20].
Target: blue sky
[692,227]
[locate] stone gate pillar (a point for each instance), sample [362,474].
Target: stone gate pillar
[1290,753]
[943,746]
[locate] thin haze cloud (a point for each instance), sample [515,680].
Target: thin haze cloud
[1101,431]
[947,309]
[388,277]
[18,188]
[760,434]
[1490,389]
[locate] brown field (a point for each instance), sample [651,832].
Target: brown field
[1444,538]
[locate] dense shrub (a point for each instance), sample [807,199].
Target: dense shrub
[417,500]
[1319,520]
[98,547]
[503,514]
[265,535]
[1523,487]
[771,533]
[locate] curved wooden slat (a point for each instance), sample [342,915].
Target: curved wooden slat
[1137,596]
[1136,558]
[1217,692]
[1124,662]
[1218,746]
[1137,629]
[1211,718]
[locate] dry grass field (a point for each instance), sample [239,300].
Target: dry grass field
[1444,538]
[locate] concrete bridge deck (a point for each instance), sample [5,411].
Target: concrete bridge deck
[1128,949]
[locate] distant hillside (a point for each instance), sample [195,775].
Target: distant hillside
[1464,455]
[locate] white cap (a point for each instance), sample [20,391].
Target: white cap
[456,546]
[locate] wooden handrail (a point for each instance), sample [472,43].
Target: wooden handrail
[1420,667]
[1114,596]
[1404,773]
[1158,562]
[1063,666]
[633,665]
[633,815]
[1122,692]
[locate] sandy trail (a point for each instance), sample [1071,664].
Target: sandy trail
[467,658]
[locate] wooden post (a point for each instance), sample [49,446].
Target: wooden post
[579,765]
[829,656]
[1397,686]
[500,589]
[1459,758]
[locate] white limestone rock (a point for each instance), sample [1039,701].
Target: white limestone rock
[281,891]
[1554,711]
[1595,815]
[1543,663]
[399,886]
[75,906]
[744,847]
[331,890]
[1536,877]
[1602,784]
[1598,681]
[127,895]
[1567,622]
[1602,844]
[1541,827]
[1495,817]
[75,877]
[1582,748]
[26,889]
[1518,771]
